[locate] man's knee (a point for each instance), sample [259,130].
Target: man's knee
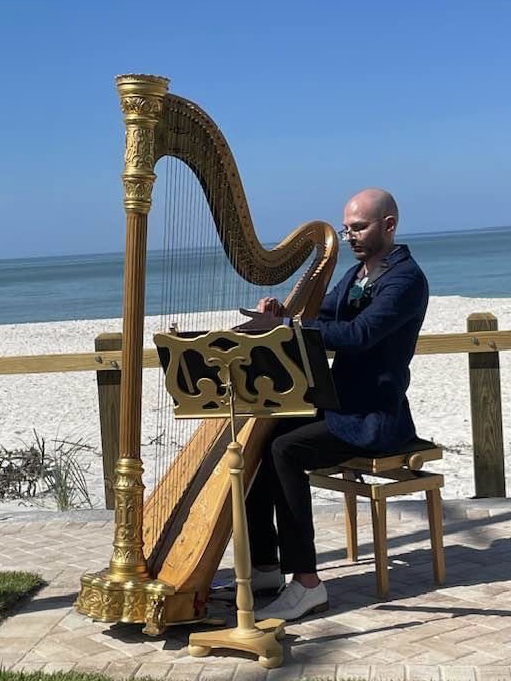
[280,444]
[284,452]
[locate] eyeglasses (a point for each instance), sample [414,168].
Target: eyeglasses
[356,228]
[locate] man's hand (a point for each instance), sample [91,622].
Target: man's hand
[272,306]
[259,321]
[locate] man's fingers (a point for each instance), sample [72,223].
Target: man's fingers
[270,305]
[264,305]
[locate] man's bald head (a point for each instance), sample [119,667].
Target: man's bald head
[375,204]
[370,220]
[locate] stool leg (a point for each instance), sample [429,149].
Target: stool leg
[350,507]
[434,502]
[379,516]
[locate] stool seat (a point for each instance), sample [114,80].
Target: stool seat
[413,455]
[401,473]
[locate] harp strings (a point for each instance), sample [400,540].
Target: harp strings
[200,291]
[193,276]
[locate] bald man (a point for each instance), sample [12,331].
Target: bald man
[371,319]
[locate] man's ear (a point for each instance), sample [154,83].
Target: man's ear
[390,223]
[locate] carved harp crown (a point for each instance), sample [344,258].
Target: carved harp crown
[166,550]
[161,124]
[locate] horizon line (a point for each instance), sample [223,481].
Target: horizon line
[429,233]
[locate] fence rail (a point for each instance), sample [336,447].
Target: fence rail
[482,343]
[106,360]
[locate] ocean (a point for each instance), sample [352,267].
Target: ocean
[465,263]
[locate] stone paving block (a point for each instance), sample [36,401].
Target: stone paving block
[16,644]
[403,648]
[218,672]
[360,597]
[354,672]
[106,656]
[153,670]
[491,644]
[311,652]
[391,672]
[497,673]
[52,667]
[85,645]
[120,670]
[496,589]
[481,659]
[503,631]
[457,633]
[383,656]
[356,621]
[319,671]
[54,650]
[289,672]
[74,621]
[185,674]
[422,673]
[129,648]
[437,657]
[457,673]
[27,667]
[445,651]
[248,671]
[332,657]
[421,633]
[9,659]
[177,674]
[88,666]
[504,661]
[13,556]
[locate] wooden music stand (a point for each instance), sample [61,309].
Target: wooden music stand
[231,374]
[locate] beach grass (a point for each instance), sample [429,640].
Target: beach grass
[15,587]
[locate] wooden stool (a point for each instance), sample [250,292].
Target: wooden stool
[402,468]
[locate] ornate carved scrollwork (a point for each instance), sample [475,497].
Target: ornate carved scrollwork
[142,103]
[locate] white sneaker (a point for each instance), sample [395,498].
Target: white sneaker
[295,602]
[269,583]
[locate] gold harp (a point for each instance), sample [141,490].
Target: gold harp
[166,550]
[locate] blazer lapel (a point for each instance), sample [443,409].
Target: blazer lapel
[398,254]
[344,288]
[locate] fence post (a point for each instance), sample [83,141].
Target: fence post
[486,410]
[109,396]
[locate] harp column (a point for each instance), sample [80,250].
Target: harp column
[142,103]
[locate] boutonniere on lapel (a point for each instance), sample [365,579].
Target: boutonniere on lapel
[362,289]
[360,292]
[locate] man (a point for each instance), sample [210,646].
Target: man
[371,319]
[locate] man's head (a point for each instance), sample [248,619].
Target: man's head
[370,221]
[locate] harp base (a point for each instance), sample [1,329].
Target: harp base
[105,598]
[262,640]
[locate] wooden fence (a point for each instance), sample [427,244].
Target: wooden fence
[482,342]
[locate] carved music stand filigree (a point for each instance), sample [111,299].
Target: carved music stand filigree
[223,374]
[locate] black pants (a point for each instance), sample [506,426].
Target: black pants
[281,485]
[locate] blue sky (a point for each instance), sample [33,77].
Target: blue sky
[316,99]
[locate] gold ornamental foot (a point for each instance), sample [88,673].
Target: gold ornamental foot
[155,614]
[106,598]
[262,640]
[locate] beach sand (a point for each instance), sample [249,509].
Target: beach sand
[65,405]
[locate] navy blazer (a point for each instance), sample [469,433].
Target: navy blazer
[374,345]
